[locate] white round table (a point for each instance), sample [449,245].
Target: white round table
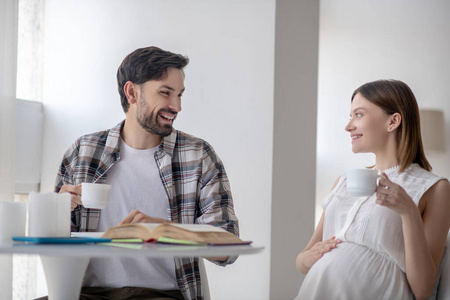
[65,264]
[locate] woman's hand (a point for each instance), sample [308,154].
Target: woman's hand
[306,259]
[75,194]
[393,196]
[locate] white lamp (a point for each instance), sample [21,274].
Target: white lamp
[432,126]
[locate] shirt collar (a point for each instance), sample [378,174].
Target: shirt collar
[112,141]
[168,143]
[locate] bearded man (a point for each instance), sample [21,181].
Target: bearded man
[158,174]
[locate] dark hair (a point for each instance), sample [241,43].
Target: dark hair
[394,96]
[144,64]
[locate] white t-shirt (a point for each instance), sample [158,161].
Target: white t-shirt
[136,184]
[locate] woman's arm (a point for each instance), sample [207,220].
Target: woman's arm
[424,234]
[425,241]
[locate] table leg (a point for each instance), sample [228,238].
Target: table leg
[6,276]
[64,276]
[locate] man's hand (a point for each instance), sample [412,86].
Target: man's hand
[75,194]
[138,217]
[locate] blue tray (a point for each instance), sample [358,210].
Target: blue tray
[59,240]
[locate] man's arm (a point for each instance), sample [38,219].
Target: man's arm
[215,200]
[65,183]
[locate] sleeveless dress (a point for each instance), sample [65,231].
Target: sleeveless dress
[370,261]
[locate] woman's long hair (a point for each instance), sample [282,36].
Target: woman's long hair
[394,96]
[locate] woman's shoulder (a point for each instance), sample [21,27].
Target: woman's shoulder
[416,181]
[416,173]
[334,190]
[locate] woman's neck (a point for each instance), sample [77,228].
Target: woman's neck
[386,157]
[384,164]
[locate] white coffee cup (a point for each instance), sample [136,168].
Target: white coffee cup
[95,195]
[362,182]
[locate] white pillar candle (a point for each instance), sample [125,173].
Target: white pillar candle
[49,215]
[13,217]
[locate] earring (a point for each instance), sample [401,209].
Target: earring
[389,129]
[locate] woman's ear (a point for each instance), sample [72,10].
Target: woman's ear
[394,122]
[131,91]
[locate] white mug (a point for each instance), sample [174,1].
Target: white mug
[95,195]
[362,182]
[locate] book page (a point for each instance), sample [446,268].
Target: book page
[150,226]
[198,227]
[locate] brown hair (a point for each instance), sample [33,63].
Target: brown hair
[144,64]
[394,96]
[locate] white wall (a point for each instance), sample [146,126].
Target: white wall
[362,41]
[228,99]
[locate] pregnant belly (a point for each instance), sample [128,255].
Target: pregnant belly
[352,271]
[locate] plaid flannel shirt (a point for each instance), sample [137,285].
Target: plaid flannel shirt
[192,174]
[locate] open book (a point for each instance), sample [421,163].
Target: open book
[196,234]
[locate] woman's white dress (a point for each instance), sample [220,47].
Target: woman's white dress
[370,261]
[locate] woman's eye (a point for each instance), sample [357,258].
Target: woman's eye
[356,115]
[165,93]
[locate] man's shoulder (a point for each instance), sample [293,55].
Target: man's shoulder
[87,143]
[98,138]
[95,138]
[191,147]
[188,141]
[93,144]
[183,136]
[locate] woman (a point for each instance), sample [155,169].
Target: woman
[395,241]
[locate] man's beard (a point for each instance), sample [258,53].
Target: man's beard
[149,120]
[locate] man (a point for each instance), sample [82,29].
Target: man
[158,174]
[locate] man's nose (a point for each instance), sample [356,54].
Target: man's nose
[175,104]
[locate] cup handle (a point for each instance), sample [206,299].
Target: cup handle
[379,176]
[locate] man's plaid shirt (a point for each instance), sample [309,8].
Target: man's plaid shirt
[192,174]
